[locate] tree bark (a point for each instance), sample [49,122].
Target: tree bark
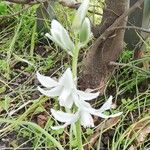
[96,68]
[132,37]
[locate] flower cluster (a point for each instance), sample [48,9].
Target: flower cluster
[68,94]
[65,88]
[81,26]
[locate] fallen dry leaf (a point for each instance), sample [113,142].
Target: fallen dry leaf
[108,124]
[141,129]
[132,148]
[41,120]
[143,134]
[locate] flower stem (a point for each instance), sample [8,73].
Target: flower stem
[74,63]
[74,72]
[79,135]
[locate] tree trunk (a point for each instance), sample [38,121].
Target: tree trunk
[96,68]
[132,37]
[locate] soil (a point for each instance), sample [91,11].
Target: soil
[12,140]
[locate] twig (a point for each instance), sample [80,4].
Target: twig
[76,6]
[22,106]
[128,65]
[62,2]
[29,2]
[94,12]
[132,27]
[109,30]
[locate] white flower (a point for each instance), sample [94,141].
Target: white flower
[66,118]
[60,36]
[65,88]
[84,113]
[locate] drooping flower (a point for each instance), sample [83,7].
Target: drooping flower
[64,88]
[66,118]
[60,36]
[84,113]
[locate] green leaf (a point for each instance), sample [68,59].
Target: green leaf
[3,8]
[89,131]
[5,104]
[2,89]
[57,132]
[74,143]
[124,101]
[39,110]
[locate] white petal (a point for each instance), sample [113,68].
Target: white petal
[56,35]
[80,103]
[60,127]
[63,35]
[80,15]
[86,119]
[98,113]
[62,116]
[67,41]
[63,98]
[76,99]
[108,116]
[87,95]
[107,105]
[86,107]
[51,93]
[68,102]
[73,120]
[55,40]
[67,79]
[101,115]
[46,81]
[94,112]
[115,115]
[56,25]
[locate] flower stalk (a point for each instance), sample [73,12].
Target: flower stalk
[78,110]
[74,72]
[79,135]
[74,63]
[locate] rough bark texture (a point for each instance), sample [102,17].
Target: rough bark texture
[96,68]
[132,36]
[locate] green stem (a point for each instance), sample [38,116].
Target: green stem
[78,125]
[74,63]
[11,47]
[79,135]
